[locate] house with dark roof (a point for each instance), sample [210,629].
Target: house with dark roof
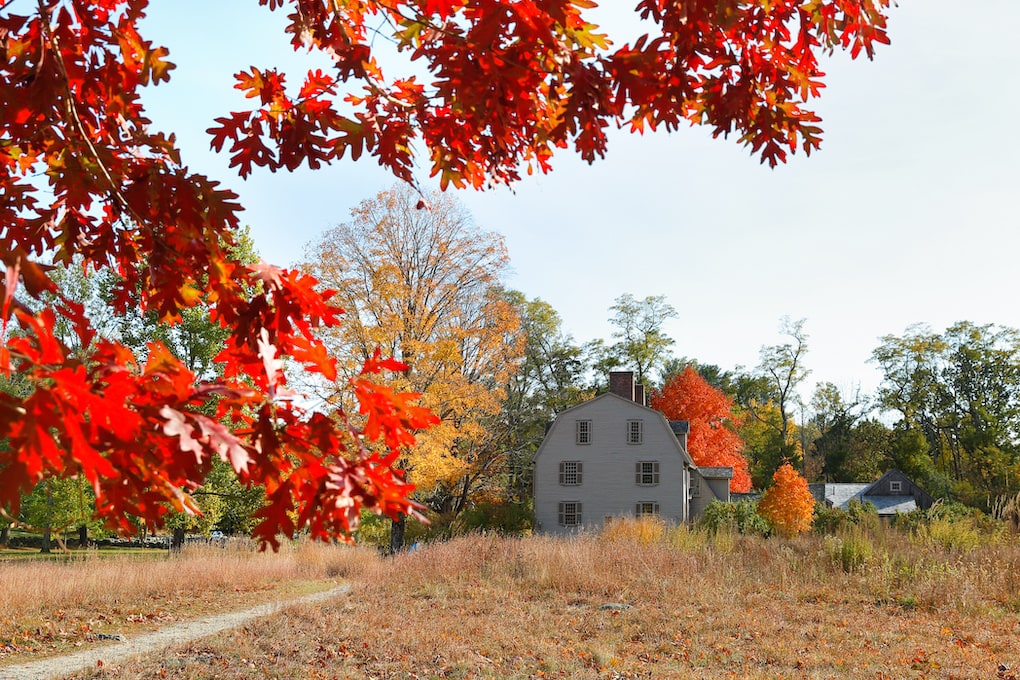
[893,493]
[613,456]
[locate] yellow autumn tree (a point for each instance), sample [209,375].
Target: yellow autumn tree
[788,503]
[765,447]
[421,281]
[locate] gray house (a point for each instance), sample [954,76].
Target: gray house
[893,493]
[611,457]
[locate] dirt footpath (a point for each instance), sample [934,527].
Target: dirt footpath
[58,666]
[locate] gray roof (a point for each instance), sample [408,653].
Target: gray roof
[840,495]
[891,505]
[716,472]
[837,495]
[747,496]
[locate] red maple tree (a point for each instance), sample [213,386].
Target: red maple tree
[84,178]
[712,440]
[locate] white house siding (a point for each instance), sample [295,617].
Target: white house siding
[608,487]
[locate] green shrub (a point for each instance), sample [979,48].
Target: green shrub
[851,550]
[741,517]
[508,519]
[831,521]
[952,526]
[951,534]
[503,518]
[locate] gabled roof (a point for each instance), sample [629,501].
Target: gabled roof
[652,414]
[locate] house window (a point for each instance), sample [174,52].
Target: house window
[645,508]
[635,431]
[583,432]
[570,472]
[895,487]
[646,472]
[695,486]
[570,513]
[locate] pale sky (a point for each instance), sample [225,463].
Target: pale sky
[908,213]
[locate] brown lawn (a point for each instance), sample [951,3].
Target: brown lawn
[640,603]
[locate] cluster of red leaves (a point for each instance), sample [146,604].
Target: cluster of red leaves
[712,441]
[83,178]
[788,504]
[117,196]
[516,79]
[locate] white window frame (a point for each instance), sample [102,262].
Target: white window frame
[895,486]
[582,432]
[571,472]
[651,473]
[635,431]
[569,513]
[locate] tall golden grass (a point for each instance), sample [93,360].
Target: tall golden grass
[647,600]
[46,605]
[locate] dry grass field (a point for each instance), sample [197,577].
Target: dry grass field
[644,601]
[53,606]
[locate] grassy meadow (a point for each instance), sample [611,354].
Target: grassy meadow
[639,600]
[51,606]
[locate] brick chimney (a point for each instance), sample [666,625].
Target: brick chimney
[621,383]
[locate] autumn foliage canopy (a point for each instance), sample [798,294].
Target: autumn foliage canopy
[712,441]
[788,504]
[85,179]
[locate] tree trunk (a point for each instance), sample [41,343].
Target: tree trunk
[177,540]
[83,536]
[5,535]
[397,528]
[45,541]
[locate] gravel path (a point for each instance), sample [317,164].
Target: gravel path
[151,642]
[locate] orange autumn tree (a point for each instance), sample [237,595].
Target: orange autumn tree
[712,440]
[494,88]
[788,504]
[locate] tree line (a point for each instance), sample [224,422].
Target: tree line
[426,287]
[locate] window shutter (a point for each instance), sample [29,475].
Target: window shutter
[577,513]
[655,507]
[563,519]
[637,473]
[579,467]
[637,510]
[563,478]
[655,472]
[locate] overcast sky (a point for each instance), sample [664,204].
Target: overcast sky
[909,213]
